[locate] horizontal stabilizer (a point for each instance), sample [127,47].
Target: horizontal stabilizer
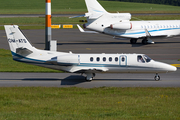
[81,30]
[77,16]
[23,51]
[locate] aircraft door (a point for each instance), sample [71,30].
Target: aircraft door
[123,60]
[79,60]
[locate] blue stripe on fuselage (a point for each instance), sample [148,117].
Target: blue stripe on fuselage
[150,31]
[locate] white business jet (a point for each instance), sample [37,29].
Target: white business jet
[88,64]
[119,25]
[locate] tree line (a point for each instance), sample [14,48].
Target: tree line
[165,2]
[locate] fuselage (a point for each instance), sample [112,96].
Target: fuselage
[110,63]
[115,26]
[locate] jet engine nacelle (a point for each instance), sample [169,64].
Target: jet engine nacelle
[121,26]
[65,60]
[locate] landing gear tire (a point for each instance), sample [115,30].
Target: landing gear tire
[157,77]
[144,41]
[90,76]
[133,41]
[88,80]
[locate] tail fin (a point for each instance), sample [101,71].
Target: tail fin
[17,41]
[95,10]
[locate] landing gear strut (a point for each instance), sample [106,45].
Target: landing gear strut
[157,77]
[133,41]
[144,41]
[90,76]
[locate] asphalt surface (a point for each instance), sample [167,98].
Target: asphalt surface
[165,50]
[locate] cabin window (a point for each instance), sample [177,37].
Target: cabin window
[140,59]
[141,26]
[98,59]
[122,59]
[116,59]
[91,59]
[110,59]
[104,59]
[145,27]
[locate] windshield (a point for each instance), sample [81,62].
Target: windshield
[147,59]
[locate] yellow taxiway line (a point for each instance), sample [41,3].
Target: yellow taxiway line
[176,65]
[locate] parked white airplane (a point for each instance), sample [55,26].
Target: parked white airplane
[119,25]
[88,64]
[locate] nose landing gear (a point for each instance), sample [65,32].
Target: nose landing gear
[157,77]
[90,76]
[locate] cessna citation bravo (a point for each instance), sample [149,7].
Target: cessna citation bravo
[119,25]
[88,64]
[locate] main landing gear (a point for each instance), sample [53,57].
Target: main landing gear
[157,77]
[133,41]
[144,41]
[147,41]
[90,76]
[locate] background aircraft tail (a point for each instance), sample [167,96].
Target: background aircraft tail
[94,6]
[17,41]
[95,10]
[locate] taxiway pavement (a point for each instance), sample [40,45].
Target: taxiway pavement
[165,50]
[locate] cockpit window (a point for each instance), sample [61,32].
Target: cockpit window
[140,59]
[147,59]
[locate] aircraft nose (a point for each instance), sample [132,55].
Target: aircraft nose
[166,67]
[170,68]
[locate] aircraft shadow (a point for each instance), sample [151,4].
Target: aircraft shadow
[40,79]
[73,80]
[76,79]
[104,43]
[90,43]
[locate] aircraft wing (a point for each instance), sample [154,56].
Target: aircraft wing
[145,33]
[77,16]
[88,69]
[81,30]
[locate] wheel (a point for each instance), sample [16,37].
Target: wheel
[144,41]
[157,78]
[94,75]
[133,41]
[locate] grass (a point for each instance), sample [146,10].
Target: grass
[97,103]
[78,6]
[8,65]
[39,22]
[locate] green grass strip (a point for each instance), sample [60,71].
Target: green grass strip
[91,104]
[79,6]
[39,22]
